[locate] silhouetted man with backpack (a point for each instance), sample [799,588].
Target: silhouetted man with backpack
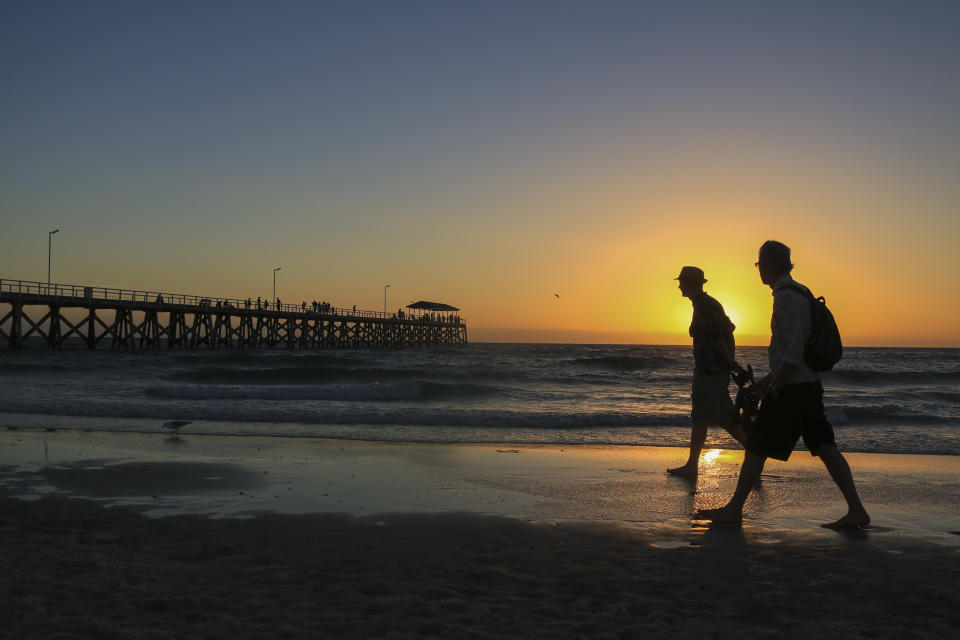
[792,396]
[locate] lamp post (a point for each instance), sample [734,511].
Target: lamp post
[275,285]
[385,287]
[49,253]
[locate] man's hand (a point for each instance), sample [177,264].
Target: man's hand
[742,377]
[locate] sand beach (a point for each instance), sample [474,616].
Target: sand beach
[147,536]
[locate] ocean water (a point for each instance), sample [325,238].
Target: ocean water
[879,400]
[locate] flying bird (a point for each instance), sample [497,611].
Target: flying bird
[557,295]
[174,425]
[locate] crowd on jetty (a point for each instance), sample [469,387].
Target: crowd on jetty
[325,308]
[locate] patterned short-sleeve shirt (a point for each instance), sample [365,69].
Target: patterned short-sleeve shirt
[712,333]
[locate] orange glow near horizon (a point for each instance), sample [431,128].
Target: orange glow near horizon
[624,291]
[604,223]
[609,240]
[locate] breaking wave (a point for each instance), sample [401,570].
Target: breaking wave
[868,377]
[352,393]
[416,416]
[625,363]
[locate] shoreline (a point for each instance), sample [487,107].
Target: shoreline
[658,436]
[236,476]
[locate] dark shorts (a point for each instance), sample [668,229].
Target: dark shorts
[796,411]
[710,398]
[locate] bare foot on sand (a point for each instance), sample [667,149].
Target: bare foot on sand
[852,519]
[686,471]
[723,515]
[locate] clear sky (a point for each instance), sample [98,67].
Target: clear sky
[493,154]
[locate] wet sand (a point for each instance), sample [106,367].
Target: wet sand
[141,535]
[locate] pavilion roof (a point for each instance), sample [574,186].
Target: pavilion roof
[431,306]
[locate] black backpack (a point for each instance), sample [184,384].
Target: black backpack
[824,347]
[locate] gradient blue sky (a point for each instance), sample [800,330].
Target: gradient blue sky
[490,154]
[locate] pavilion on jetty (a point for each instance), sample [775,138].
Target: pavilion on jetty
[128,319]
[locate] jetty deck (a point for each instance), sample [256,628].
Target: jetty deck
[102,317]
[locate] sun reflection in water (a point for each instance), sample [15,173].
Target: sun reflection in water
[711,456]
[709,468]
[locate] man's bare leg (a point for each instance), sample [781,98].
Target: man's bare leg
[698,435]
[732,512]
[839,470]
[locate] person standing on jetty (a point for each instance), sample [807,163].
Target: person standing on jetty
[792,398]
[713,354]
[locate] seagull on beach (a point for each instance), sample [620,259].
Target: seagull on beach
[174,425]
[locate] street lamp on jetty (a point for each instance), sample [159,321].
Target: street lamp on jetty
[49,253]
[385,287]
[275,284]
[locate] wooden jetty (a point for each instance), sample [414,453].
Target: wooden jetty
[129,319]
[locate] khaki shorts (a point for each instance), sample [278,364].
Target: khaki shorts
[710,398]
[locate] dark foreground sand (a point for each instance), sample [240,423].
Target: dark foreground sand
[472,546]
[69,568]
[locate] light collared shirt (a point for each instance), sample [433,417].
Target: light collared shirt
[790,329]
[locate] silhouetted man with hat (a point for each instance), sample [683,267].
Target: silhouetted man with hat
[713,353]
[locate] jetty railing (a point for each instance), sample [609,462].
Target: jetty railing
[84,293]
[193,320]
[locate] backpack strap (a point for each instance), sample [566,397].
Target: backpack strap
[796,287]
[807,293]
